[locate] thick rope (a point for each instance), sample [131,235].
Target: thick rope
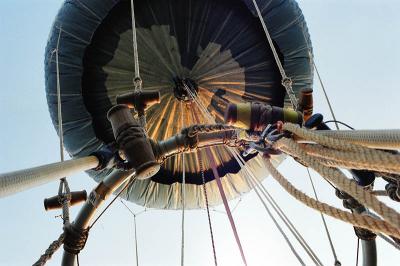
[338,144]
[377,139]
[379,162]
[363,221]
[391,161]
[286,81]
[54,246]
[324,222]
[342,182]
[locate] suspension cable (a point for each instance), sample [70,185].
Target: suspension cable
[218,181]
[358,250]
[208,209]
[286,81]
[183,192]
[225,201]
[280,213]
[64,192]
[337,262]
[130,182]
[59,111]
[324,90]
[256,187]
[137,80]
[134,223]
[205,195]
[288,223]
[63,189]
[389,241]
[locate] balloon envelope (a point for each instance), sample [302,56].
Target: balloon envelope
[219,45]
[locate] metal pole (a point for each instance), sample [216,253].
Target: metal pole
[96,198]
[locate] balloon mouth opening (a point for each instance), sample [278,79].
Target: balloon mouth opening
[186,89]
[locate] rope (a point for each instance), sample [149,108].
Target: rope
[208,116]
[389,241]
[183,191]
[376,161]
[225,201]
[379,139]
[204,188]
[256,187]
[64,197]
[208,209]
[360,153]
[130,182]
[339,122]
[286,81]
[59,110]
[137,80]
[64,193]
[320,138]
[202,108]
[324,90]
[342,183]
[54,246]
[134,223]
[324,222]
[136,242]
[358,250]
[276,207]
[354,219]
[253,180]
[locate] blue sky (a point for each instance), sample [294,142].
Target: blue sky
[356,49]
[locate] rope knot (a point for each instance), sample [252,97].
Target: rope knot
[287,82]
[393,191]
[364,234]
[75,239]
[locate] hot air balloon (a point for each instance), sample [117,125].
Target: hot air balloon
[183,104]
[217,48]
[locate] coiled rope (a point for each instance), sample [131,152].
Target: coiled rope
[375,161]
[378,139]
[354,219]
[342,182]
